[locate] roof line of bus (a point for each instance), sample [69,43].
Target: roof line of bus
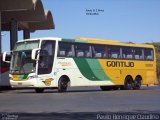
[112,42]
[95,39]
[42,38]
[91,40]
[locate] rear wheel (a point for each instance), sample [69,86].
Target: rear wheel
[62,85]
[39,90]
[128,84]
[137,83]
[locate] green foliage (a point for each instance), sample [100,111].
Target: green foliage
[157,46]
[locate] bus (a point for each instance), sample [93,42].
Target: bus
[4,74]
[60,63]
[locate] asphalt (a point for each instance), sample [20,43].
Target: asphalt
[80,103]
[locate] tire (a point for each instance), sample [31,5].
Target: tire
[105,88]
[39,90]
[137,83]
[62,85]
[128,85]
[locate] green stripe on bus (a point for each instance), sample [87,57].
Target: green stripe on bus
[97,69]
[68,40]
[85,69]
[81,41]
[73,40]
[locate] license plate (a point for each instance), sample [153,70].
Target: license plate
[19,84]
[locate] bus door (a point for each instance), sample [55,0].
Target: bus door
[46,59]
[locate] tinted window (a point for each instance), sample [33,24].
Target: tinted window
[127,52]
[65,49]
[148,54]
[83,50]
[114,52]
[46,57]
[99,51]
[138,54]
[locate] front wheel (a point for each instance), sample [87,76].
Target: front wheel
[62,85]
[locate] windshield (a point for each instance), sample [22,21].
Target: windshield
[26,45]
[21,62]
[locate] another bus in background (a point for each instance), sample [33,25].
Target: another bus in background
[4,74]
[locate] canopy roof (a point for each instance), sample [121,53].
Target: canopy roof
[29,15]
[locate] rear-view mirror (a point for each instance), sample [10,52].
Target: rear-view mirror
[35,54]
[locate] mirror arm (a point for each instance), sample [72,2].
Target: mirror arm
[34,53]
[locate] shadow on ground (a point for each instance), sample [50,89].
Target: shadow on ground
[78,89]
[140,115]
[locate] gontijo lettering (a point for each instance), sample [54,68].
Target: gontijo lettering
[119,64]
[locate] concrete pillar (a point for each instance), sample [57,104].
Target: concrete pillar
[26,34]
[0,35]
[13,33]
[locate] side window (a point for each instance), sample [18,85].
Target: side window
[99,51]
[127,53]
[148,54]
[83,50]
[138,54]
[46,57]
[65,49]
[114,52]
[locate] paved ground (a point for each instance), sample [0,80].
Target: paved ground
[79,103]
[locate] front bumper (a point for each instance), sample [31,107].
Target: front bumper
[22,84]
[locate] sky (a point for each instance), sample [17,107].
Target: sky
[135,21]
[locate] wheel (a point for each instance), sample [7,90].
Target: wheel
[39,90]
[128,85]
[105,88]
[62,85]
[137,83]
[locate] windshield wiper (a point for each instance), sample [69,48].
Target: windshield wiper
[12,71]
